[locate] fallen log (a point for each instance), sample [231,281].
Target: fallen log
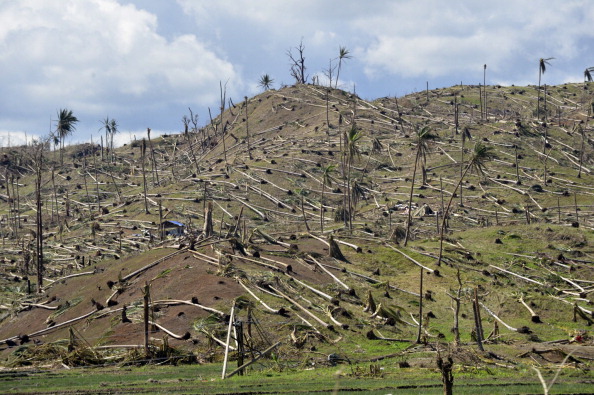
[435,272]
[279,311]
[306,311]
[150,265]
[185,336]
[523,329]
[173,302]
[336,279]
[372,336]
[534,317]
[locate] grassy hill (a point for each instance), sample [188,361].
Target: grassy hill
[280,180]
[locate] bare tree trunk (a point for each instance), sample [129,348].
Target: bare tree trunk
[477,321]
[146,298]
[208,224]
[153,160]
[223,126]
[409,216]
[420,306]
[142,156]
[39,225]
[247,128]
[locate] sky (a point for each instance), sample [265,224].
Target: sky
[145,62]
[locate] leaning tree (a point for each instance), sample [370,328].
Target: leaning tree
[481,154]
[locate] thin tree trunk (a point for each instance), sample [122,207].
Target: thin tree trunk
[445,216]
[247,129]
[418,341]
[409,216]
[142,157]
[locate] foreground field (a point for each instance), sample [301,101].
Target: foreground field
[337,379]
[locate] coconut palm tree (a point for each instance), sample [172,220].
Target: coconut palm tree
[423,136]
[481,154]
[64,128]
[111,128]
[542,67]
[265,82]
[343,54]
[326,180]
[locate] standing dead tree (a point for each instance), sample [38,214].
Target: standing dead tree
[37,159]
[298,63]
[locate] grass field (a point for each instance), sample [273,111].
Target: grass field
[338,379]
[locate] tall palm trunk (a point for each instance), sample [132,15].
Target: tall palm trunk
[142,156]
[39,225]
[412,186]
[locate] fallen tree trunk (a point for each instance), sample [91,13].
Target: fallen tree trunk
[185,336]
[279,311]
[523,329]
[436,272]
[306,311]
[150,265]
[534,317]
[173,302]
[372,336]
[330,274]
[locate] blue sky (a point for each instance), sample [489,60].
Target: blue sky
[144,62]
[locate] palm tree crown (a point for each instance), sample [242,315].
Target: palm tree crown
[64,128]
[65,124]
[352,148]
[265,82]
[343,54]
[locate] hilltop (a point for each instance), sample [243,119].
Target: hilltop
[295,205]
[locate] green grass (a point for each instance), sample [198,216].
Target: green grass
[338,379]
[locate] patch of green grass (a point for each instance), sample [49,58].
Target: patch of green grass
[343,378]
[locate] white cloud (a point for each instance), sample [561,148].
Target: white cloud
[100,58]
[426,38]
[13,139]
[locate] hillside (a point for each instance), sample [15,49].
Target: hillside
[302,171]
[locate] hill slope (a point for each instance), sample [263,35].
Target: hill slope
[520,233]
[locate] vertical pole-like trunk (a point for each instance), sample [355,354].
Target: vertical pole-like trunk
[142,156]
[410,197]
[577,217]
[146,297]
[208,223]
[327,115]
[481,100]
[485,89]
[581,154]
[39,230]
[231,320]
[161,237]
[153,160]
[518,181]
[247,128]
[240,346]
[223,126]
[538,98]
[96,179]
[420,331]
[477,321]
